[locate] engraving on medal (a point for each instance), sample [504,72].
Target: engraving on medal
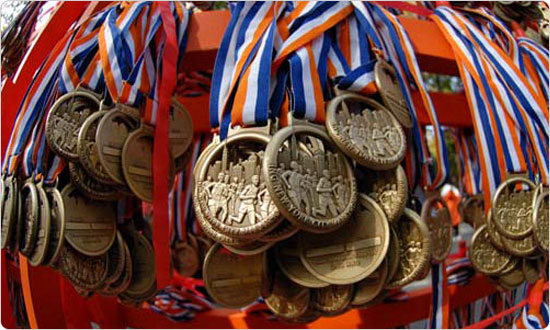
[90,186]
[437,217]
[366,131]
[388,188]
[331,300]
[540,221]
[390,91]
[523,247]
[494,235]
[484,256]
[288,300]
[284,230]
[57,223]
[353,251]
[512,209]
[65,119]
[231,192]
[414,249]
[38,256]
[29,211]
[81,270]
[90,225]
[310,181]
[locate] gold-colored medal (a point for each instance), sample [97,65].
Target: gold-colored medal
[288,299]
[121,283]
[181,129]
[437,217]
[392,256]
[10,196]
[352,252]
[310,181]
[530,270]
[366,131]
[540,222]
[249,249]
[331,300]
[29,216]
[485,257]
[473,211]
[284,230]
[38,255]
[523,247]
[143,266]
[57,224]
[494,235]
[369,288]
[92,188]
[82,270]
[512,208]
[185,257]
[116,263]
[390,92]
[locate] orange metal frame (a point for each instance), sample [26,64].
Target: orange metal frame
[46,293]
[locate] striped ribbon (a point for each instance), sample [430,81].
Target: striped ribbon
[439,313]
[469,169]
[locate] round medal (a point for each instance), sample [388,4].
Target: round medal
[81,270]
[366,131]
[116,253]
[513,278]
[10,195]
[231,280]
[90,186]
[540,222]
[284,230]
[530,270]
[57,224]
[437,217]
[331,300]
[181,129]
[121,283]
[523,247]
[494,235]
[112,132]
[38,256]
[352,252]
[390,92]
[185,258]
[29,211]
[484,256]
[369,288]
[388,188]
[309,179]
[230,191]
[512,209]
[392,255]
[288,300]
[65,119]
[90,226]
[473,211]
[143,265]
[414,249]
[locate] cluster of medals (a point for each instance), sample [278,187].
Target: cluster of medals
[511,245]
[314,219]
[72,224]
[525,10]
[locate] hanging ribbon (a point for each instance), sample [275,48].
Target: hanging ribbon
[439,313]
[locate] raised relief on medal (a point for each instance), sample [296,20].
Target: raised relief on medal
[437,217]
[87,149]
[57,226]
[112,132]
[288,300]
[512,208]
[366,131]
[90,186]
[388,188]
[523,247]
[29,211]
[473,210]
[484,256]
[494,235]
[414,249]
[65,118]
[81,270]
[332,300]
[38,256]
[540,222]
[231,192]
[310,181]
[352,252]
[390,92]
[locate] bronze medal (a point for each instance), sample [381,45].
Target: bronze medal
[473,211]
[137,163]
[185,258]
[512,210]
[309,316]
[486,258]
[523,247]
[310,180]
[91,187]
[57,226]
[437,217]
[284,230]
[513,263]
[390,92]
[249,249]
[288,259]
[112,132]
[388,188]
[369,288]
[352,252]
[540,222]
[230,191]
[392,255]
[81,270]
[88,154]
[331,300]
[65,119]
[181,129]
[116,263]
[366,131]
[121,283]
[10,196]
[231,280]
[214,234]
[38,256]
[494,235]
[288,299]
[141,297]
[414,249]
[513,278]
[90,226]
[29,216]
[143,265]
[530,270]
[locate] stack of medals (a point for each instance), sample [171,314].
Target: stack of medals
[512,245]
[313,219]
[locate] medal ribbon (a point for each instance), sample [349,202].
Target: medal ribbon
[439,314]
[469,164]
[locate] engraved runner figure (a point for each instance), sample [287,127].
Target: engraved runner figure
[218,197]
[324,190]
[248,198]
[292,179]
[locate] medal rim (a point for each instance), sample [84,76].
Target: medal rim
[479,267]
[26,250]
[11,221]
[78,174]
[380,286]
[45,216]
[56,194]
[150,277]
[536,210]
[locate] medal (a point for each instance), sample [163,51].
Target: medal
[83,271]
[120,284]
[390,92]
[392,256]
[231,193]
[92,188]
[65,119]
[112,132]
[29,217]
[57,223]
[369,288]
[90,225]
[435,214]
[414,249]
[249,249]
[38,256]
[143,267]
[331,300]
[87,149]
[484,256]
[231,280]
[288,299]
[512,210]
[523,247]
[472,211]
[181,129]
[284,230]
[366,131]
[494,235]
[352,252]
[185,257]
[513,278]
[288,258]
[388,188]
[310,181]
[10,196]
[540,221]
[116,260]
[530,270]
